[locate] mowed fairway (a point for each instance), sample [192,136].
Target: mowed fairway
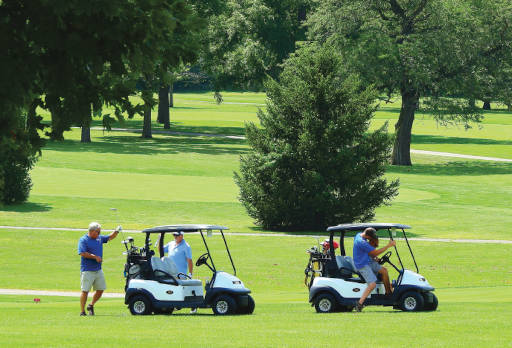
[473,294]
[189,179]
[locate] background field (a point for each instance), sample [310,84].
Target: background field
[188,179]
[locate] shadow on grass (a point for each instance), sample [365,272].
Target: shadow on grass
[470,168]
[126,144]
[175,127]
[435,139]
[26,207]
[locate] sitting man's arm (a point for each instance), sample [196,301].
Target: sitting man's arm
[376,252]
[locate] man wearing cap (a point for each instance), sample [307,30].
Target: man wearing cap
[364,260]
[90,249]
[180,252]
[326,245]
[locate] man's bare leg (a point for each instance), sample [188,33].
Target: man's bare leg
[385,279]
[96,296]
[83,300]
[367,292]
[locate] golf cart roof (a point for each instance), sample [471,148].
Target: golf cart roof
[363,226]
[183,228]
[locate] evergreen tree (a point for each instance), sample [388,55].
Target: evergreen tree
[313,162]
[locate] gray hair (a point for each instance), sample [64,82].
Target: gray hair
[94,226]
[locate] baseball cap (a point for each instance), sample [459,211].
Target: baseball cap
[335,243]
[177,233]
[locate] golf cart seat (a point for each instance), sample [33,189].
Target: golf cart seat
[348,269]
[346,265]
[165,268]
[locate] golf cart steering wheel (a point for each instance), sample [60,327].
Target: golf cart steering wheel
[183,274]
[385,258]
[202,259]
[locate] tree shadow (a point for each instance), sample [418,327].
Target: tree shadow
[437,139]
[163,144]
[137,125]
[26,207]
[469,168]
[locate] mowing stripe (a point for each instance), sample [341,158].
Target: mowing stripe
[442,240]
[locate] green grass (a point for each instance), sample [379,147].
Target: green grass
[472,290]
[55,323]
[181,179]
[187,179]
[184,179]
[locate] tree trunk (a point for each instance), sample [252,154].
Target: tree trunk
[163,106]
[171,95]
[471,103]
[403,128]
[509,107]
[487,105]
[146,129]
[86,132]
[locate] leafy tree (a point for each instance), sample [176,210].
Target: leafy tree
[80,56]
[249,39]
[417,48]
[314,163]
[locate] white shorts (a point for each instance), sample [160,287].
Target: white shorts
[94,279]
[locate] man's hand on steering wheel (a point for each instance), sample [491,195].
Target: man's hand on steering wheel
[385,258]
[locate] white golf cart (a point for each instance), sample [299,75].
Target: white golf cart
[335,285]
[154,285]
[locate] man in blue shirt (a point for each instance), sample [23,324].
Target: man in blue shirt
[365,256]
[180,252]
[90,248]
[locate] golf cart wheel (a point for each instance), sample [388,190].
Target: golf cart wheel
[412,301]
[139,305]
[224,305]
[249,308]
[325,303]
[430,305]
[165,311]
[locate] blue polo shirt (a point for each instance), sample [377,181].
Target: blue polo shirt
[360,251]
[179,254]
[92,246]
